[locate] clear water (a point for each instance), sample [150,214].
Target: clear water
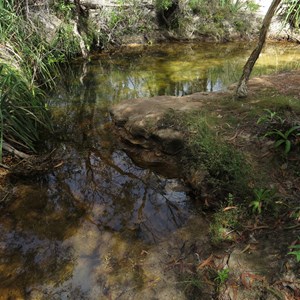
[97,226]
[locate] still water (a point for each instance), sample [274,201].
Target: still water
[98,226]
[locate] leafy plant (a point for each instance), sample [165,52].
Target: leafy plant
[270,117]
[225,221]
[284,138]
[263,198]
[64,9]
[222,276]
[296,251]
[252,6]
[163,4]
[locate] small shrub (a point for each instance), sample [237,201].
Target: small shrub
[63,9]
[270,117]
[163,4]
[227,170]
[252,6]
[284,138]
[225,221]
[263,198]
[295,251]
[222,276]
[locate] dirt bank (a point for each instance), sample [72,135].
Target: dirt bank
[253,256]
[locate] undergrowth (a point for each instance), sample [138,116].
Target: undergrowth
[29,64]
[227,169]
[223,170]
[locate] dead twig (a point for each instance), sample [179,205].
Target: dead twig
[4,166]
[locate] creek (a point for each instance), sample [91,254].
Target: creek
[98,226]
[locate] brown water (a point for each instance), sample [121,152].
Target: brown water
[100,227]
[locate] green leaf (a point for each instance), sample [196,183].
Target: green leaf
[279,142]
[291,130]
[288,146]
[297,254]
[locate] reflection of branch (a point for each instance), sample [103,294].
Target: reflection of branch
[170,204]
[149,183]
[109,162]
[154,237]
[142,206]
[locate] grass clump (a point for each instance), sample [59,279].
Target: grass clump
[26,65]
[211,166]
[225,221]
[29,64]
[22,112]
[226,170]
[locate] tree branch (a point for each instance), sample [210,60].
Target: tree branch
[7,147]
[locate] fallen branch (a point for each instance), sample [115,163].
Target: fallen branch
[4,166]
[7,147]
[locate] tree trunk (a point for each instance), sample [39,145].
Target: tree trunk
[242,90]
[77,27]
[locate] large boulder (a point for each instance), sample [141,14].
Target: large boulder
[140,124]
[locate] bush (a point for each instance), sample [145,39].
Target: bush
[225,169]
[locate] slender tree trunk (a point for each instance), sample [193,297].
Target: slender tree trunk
[77,26]
[26,9]
[242,90]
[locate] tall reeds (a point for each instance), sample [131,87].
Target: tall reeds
[27,64]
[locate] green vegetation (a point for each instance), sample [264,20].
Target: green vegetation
[217,18]
[295,251]
[163,4]
[122,20]
[28,65]
[222,276]
[279,128]
[64,9]
[263,198]
[225,170]
[225,221]
[290,11]
[25,65]
[192,284]
[270,117]
[284,138]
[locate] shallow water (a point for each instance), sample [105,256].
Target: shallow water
[98,226]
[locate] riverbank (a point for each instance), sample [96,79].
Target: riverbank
[248,207]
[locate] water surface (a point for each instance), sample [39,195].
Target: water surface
[97,226]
